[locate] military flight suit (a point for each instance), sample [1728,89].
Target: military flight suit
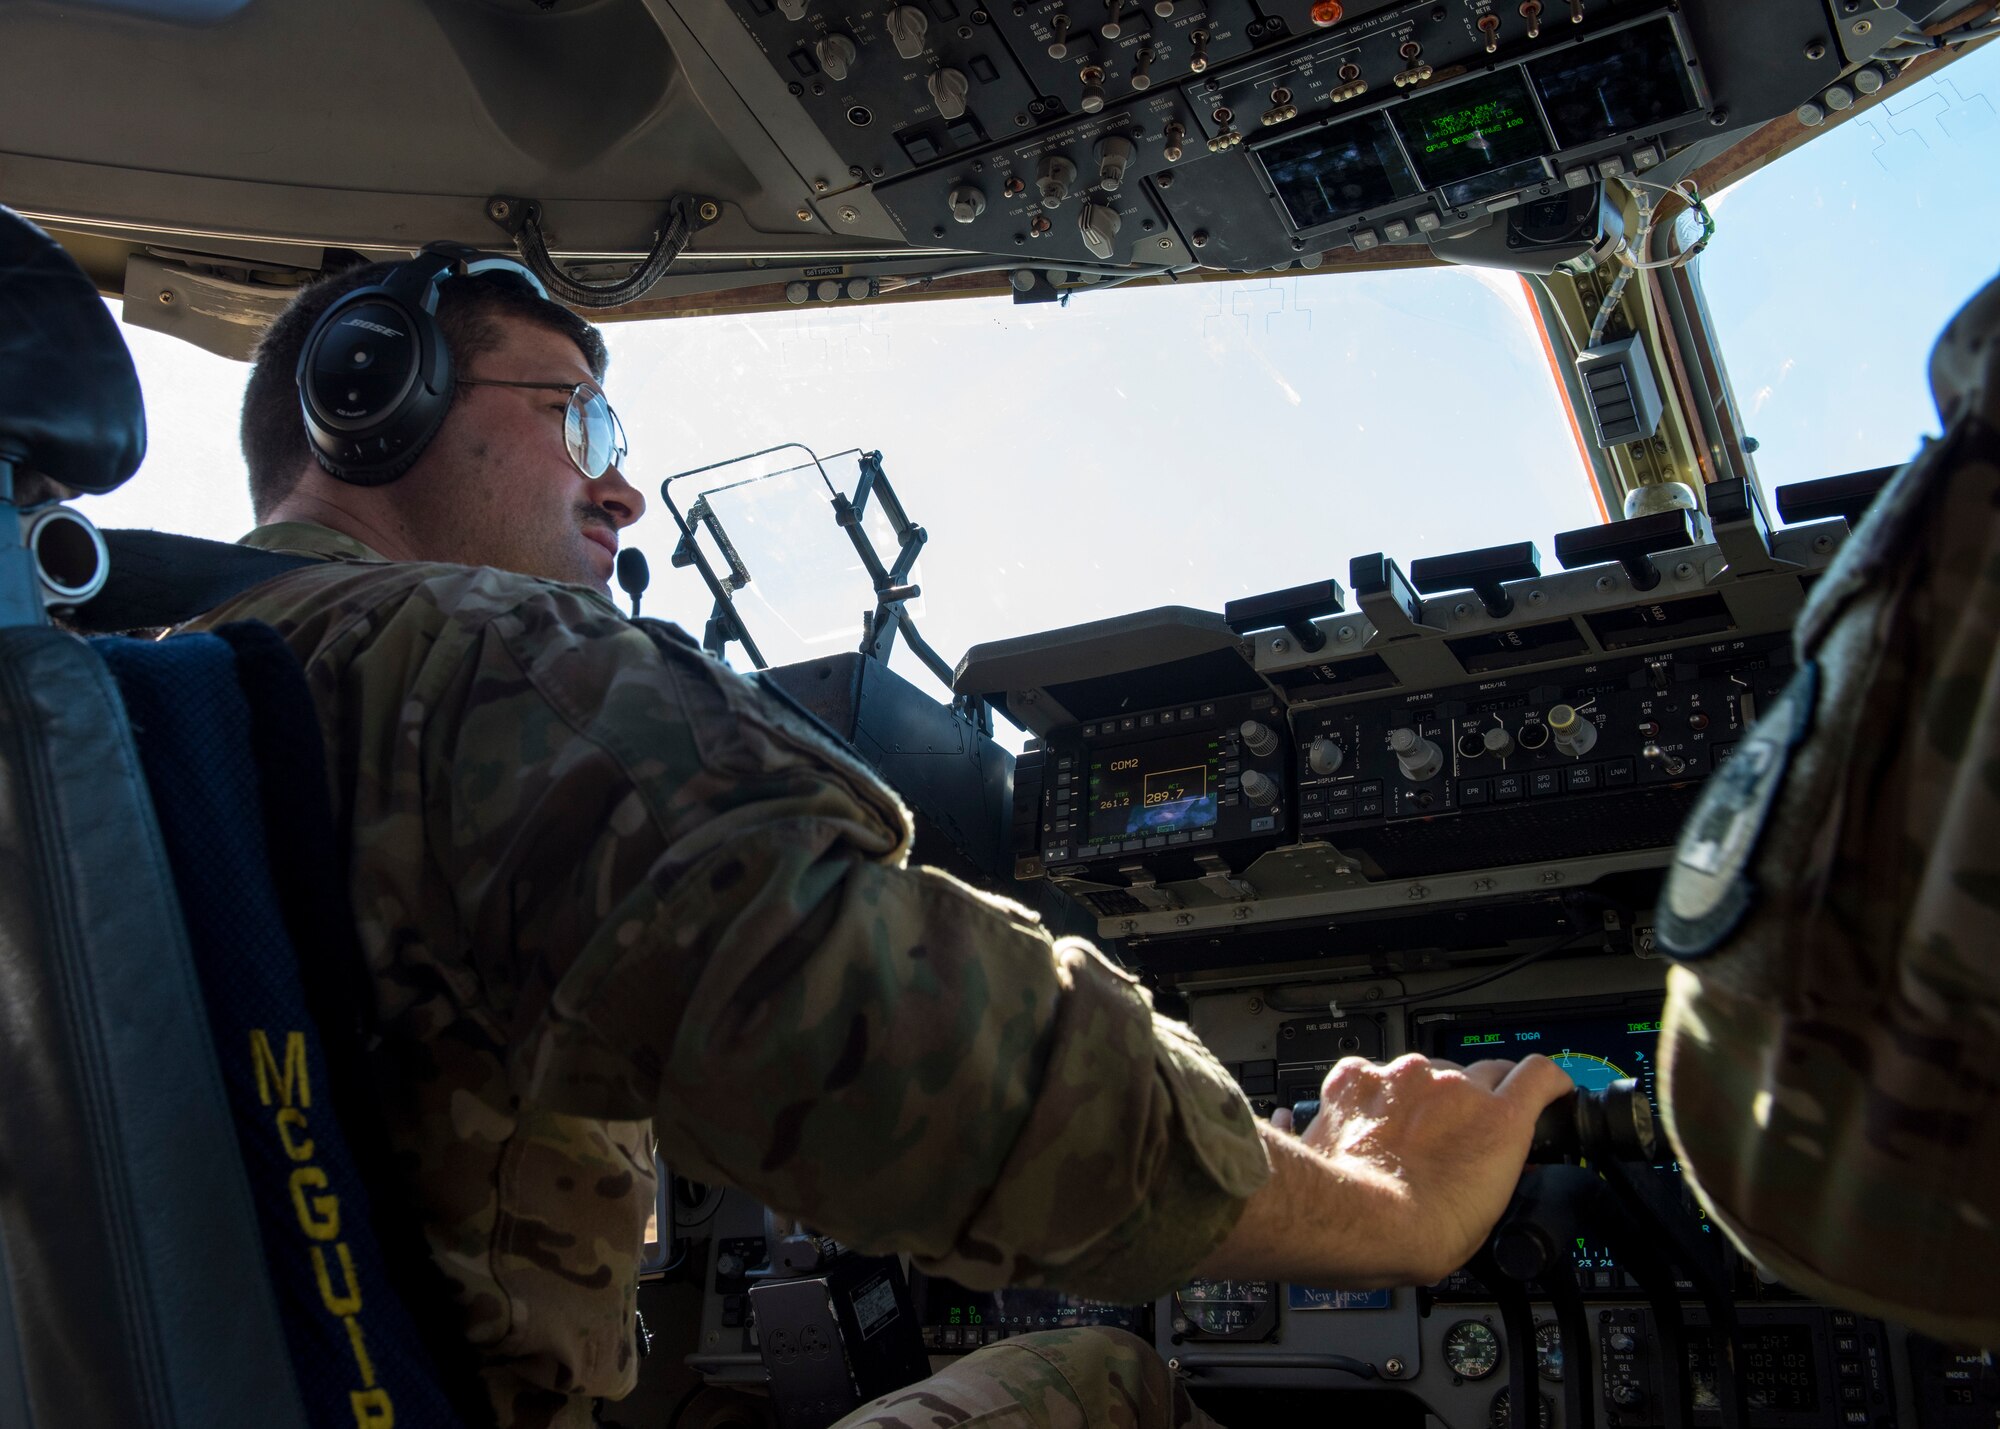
[607,890]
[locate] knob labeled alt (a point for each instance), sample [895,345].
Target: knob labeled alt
[1325,756]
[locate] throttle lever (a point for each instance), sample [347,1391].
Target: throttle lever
[1609,1123]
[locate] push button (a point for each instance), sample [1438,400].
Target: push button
[1507,786]
[1473,791]
[1580,776]
[1544,781]
[1617,773]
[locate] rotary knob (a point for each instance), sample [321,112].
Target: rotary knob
[1260,789]
[1499,743]
[1420,758]
[1098,224]
[836,56]
[948,90]
[907,25]
[1053,180]
[792,9]
[1325,756]
[1257,737]
[1574,734]
[967,203]
[1114,153]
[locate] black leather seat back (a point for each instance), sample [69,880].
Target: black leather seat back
[140,1294]
[69,399]
[133,1286]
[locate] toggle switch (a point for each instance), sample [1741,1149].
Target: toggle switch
[1059,27]
[1111,29]
[1198,59]
[1489,26]
[1175,133]
[1092,98]
[1141,80]
[1531,11]
[792,9]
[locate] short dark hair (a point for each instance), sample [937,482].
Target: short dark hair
[469,312]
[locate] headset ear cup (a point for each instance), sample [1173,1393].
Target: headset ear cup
[375,379]
[382,473]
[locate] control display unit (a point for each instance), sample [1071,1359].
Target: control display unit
[1180,779]
[1488,133]
[1165,787]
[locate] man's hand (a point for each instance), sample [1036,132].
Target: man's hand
[1399,1178]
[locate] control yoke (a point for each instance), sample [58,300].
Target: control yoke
[1591,1179]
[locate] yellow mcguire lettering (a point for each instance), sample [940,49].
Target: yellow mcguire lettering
[349,1302]
[289,1117]
[319,1216]
[268,1072]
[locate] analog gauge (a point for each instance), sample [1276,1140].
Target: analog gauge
[1498,1417]
[1549,1352]
[1226,1309]
[1471,1349]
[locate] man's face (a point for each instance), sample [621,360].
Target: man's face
[496,486]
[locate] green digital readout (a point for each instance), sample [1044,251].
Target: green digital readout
[1483,1039]
[1653,1026]
[1472,128]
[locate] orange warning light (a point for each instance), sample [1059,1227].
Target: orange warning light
[1327,12]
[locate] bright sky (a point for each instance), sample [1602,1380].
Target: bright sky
[1144,447]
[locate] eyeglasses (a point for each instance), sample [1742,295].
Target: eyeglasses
[591,430]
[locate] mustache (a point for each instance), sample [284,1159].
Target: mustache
[589,513]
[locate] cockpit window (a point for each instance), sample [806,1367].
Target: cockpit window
[1835,267]
[1136,447]
[1140,446]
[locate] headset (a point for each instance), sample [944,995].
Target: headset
[375,378]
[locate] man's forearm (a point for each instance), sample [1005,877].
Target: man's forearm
[1318,1220]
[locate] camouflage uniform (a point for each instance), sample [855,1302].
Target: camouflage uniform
[1828,1059]
[1055,1379]
[608,891]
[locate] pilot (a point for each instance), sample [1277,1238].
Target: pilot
[608,891]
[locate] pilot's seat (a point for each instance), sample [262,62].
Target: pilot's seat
[183,1236]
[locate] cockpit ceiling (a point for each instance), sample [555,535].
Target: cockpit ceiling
[875,143]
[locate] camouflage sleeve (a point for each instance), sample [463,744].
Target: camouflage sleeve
[712,925]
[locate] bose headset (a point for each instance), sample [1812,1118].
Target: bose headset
[375,378]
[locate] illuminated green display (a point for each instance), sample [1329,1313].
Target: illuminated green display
[1483,1039]
[1642,1027]
[1472,128]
